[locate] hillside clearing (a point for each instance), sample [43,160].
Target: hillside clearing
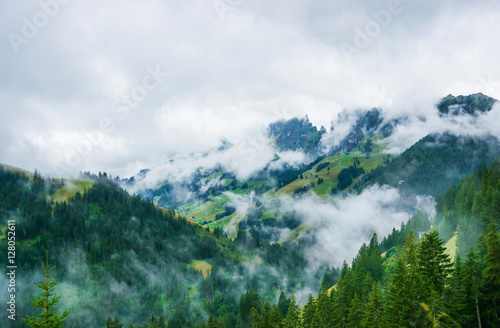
[202,266]
[71,187]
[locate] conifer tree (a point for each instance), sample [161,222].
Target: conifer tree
[339,306]
[356,312]
[113,323]
[491,275]
[411,285]
[434,264]
[374,317]
[397,298]
[323,308]
[255,318]
[473,282]
[276,320]
[309,311]
[283,303]
[456,294]
[47,301]
[292,319]
[265,317]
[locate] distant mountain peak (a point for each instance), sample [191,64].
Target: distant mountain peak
[473,104]
[296,134]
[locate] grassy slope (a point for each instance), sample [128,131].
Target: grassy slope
[71,187]
[451,247]
[202,266]
[337,163]
[16,169]
[203,212]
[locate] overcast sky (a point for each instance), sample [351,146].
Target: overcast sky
[116,85]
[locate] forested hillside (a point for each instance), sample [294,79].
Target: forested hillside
[435,163]
[118,255]
[414,283]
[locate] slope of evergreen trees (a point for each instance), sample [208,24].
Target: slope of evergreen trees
[435,163]
[416,283]
[120,257]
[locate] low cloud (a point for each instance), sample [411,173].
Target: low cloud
[340,227]
[413,128]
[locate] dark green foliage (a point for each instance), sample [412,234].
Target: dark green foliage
[47,301]
[346,176]
[356,312]
[374,316]
[368,146]
[435,163]
[144,251]
[434,265]
[322,166]
[296,134]
[283,304]
[113,323]
[303,190]
[227,211]
[491,275]
[309,312]
[330,277]
[471,104]
[292,319]
[249,301]
[286,176]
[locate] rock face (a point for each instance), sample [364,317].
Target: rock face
[365,125]
[465,105]
[299,134]
[296,134]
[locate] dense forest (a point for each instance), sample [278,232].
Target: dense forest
[114,252]
[414,282]
[130,263]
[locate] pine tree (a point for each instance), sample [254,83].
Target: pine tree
[373,312]
[276,320]
[433,263]
[339,305]
[255,318]
[248,301]
[47,301]
[397,301]
[113,323]
[355,312]
[473,282]
[283,304]
[211,323]
[405,290]
[323,308]
[309,311]
[265,317]
[491,275]
[455,293]
[292,319]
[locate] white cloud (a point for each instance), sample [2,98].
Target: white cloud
[341,227]
[227,77]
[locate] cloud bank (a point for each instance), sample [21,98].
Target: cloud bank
[114,86]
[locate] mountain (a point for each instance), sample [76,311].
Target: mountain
[231,251]
[435,163]
[350,157]
[296,134]
[118,255]
[462,105]
[300,135]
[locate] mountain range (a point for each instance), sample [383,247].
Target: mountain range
[194,242]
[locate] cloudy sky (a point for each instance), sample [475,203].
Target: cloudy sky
[116,85]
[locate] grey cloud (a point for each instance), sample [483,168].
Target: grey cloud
[229,74]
